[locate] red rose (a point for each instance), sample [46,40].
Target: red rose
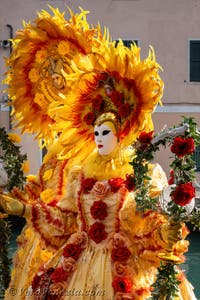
[115,184]
[42,280]
[99,210]
[98,103]
[100,189]
[116,98]
[120,254]
[146,137]
[124,110]
[59,275]
[118,240]
[88,183]
[80,239]
[171,179]
[89,118]
[72,250]
[182,146]
[36,282]
[68,264]
[56,291]
[97,232]
[183,194]
[121,284]
[122,269]
[130,182]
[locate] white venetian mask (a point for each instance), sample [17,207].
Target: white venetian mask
[105,139]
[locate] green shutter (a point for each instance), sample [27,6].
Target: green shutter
[195,61]
[196,157]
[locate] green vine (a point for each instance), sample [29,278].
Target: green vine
[195,219]
[166,285]
[5,261]
[142,180]
[12,162]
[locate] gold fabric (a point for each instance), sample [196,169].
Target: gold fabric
[93,275]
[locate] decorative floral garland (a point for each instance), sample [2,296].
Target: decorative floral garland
[14,164]
[182,189]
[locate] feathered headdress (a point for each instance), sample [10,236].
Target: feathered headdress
[65,75]
[111,79]
[43,52]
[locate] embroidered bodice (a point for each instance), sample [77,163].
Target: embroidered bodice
[99,203]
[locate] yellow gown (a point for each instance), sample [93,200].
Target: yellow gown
[33,251]
[114,254]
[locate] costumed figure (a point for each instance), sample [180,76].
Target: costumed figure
[48,187]
[106,249]
[36,78]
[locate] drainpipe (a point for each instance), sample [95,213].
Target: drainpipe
[10,49]
[11,36]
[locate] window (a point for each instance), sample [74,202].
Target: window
[194,61]
[127,43]
[196,157]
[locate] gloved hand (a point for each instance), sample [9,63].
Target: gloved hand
[171,233]
[11,205]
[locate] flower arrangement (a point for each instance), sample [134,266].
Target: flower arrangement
[182,171]
[13,162]
[182,142]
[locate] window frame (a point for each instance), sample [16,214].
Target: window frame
[196,158]
[191,78]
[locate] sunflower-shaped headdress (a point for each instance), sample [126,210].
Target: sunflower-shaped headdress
[65,75]
[43,52]
[113,79]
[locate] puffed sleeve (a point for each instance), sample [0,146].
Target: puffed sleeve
[145,229]
[56,221]
[68,203]
[158,180]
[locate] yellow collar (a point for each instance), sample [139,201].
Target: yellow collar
[109,166]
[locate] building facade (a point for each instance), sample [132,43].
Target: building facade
[171,27]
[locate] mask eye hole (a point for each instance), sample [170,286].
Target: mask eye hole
[96,133]
[105,132]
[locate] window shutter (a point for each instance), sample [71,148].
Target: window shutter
[195,61]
